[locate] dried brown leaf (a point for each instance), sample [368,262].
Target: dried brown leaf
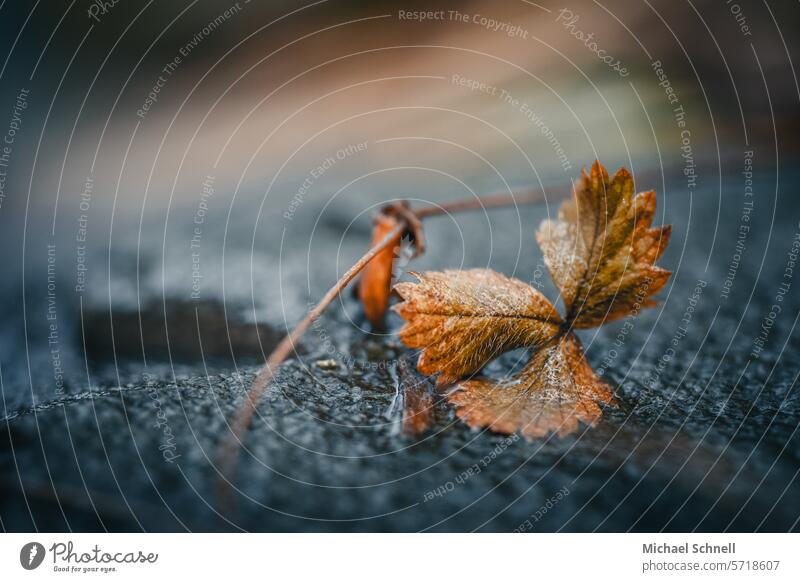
[464,319]
[375,285]
[555,392]
[601,250]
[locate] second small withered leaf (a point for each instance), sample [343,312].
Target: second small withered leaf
[375,285]
[555,392]
[463,319]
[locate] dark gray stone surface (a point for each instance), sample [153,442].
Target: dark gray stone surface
[705,440]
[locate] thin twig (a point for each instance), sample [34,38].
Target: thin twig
[245,413]
[483,202]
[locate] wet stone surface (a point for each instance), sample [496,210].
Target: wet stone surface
[704,436]
[326,454]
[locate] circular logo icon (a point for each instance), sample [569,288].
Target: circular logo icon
[31,555]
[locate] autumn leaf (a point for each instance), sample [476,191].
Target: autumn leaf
[556,391]
[464,319]
[601,250]
[375,285]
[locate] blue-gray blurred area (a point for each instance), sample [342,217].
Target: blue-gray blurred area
[179,180]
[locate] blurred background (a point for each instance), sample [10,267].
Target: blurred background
[180,179]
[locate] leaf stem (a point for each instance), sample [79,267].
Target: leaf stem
[244,415]
[483,202]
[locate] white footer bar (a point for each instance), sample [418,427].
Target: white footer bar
[401,557]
